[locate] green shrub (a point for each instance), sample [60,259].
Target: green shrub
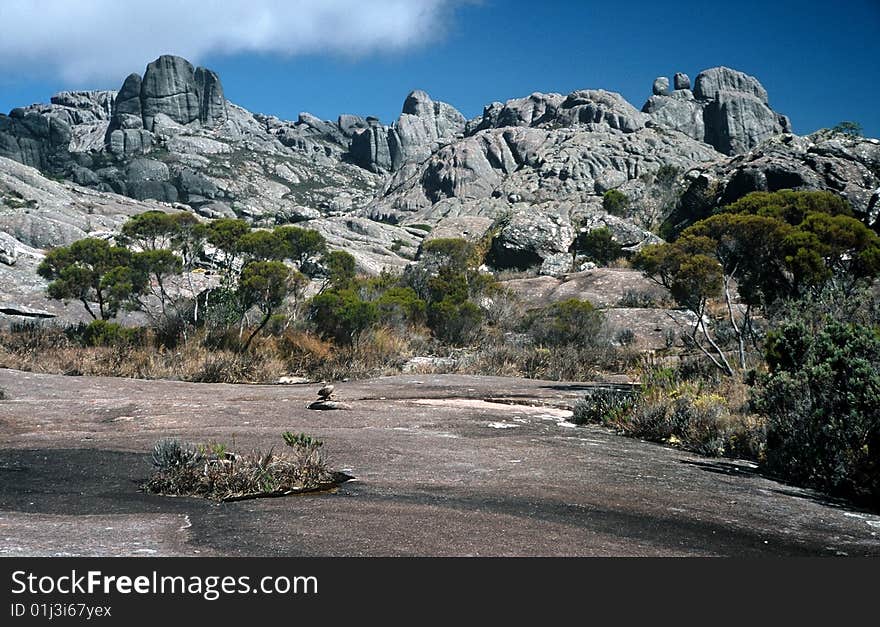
[604,406]
[301,440]
[667,174]
[341,314]
[104,333]
[454,321]
[638,299]
[598,245]
[821,398]
[615,202]
[625,337]
[399,305]
[571,321]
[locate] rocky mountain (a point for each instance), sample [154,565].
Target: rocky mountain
[531,170]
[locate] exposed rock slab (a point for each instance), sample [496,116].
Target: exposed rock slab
[433,477]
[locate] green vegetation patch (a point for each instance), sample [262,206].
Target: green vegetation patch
[214,472]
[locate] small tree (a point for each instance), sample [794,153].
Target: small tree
[225,234]
[159,266]
[340,267]
[93,271]
[302,246]
[260,245]
[770,247]
[265,285]
[848,128]
[570,322]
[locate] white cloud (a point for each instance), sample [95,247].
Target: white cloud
[87,40]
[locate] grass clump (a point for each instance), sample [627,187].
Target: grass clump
[712,418]
[215,472]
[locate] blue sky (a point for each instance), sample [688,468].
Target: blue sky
[820,61]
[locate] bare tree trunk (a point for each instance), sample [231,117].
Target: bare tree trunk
[736,328]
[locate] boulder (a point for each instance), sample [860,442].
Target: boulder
[660,86]
[148,178]
[680,111]
[370,150]
[714,80]
[128,142]
[597,106]
[350,124]
[534,110]
[529,239]
[128,99]
[681,81]
[423,124]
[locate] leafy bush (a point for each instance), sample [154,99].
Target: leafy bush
[821,398]
[638,299]
[615,202]
[667,174]
[604,406]
[454,321]
[598,245]
[709,421]
[103,333]
[400,305]
[625,337]
[341,314]
[571,321]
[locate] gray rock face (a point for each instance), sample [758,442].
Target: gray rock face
[710,82]
[169,87]
[148,178]
[660,86]
[370,148]
[599,107]
[534,110]
[545,174]
[531,240]
[212,104]
[727,109]
[128,142]
[737,121]
[350,124]
[681,81]
[422,127]
[93,105]
[679,111]
[849,166]
[537,166]
[128,99]
[35,140]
